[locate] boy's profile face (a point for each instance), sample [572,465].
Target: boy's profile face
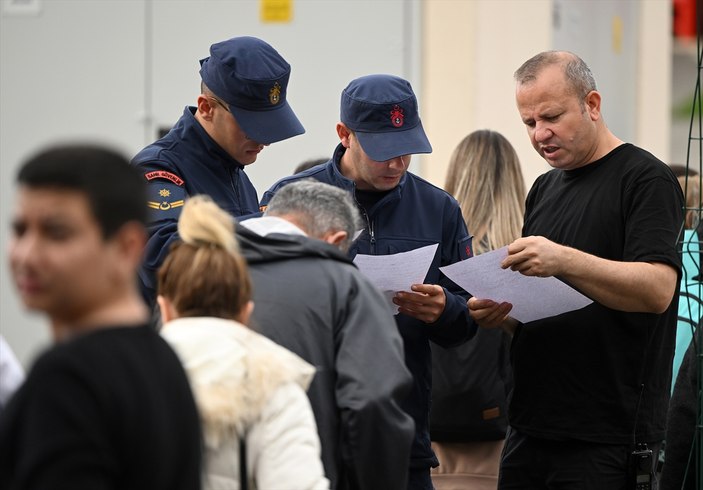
[59,260]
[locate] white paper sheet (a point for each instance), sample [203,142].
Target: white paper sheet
[396,272]
[533,298]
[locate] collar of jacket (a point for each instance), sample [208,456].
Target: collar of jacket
[207,144]
[258,249]
[338,179]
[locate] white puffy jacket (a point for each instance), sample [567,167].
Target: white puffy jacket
[246,384]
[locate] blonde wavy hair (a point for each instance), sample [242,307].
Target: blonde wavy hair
[484,175]
[204,273]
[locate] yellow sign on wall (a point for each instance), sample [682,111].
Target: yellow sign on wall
[618,28]
[276,10]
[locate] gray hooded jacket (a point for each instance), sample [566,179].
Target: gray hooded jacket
[312,300]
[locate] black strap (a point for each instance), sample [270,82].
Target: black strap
[242,464]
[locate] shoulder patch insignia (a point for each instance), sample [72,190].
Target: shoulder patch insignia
[165,205]
[165,199]
[163,174]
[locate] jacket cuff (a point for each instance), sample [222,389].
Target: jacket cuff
[454,326]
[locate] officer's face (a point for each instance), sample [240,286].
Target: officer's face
[368,174]
[227,133]
[60,262]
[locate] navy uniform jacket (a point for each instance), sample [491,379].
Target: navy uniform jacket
[184,163]
[412,215]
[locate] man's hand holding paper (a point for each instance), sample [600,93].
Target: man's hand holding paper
[533,256]
[399,277]
[489,314]
[498,290]
[426,302]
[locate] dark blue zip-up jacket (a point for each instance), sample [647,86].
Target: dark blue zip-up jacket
[412,215]
[186,162]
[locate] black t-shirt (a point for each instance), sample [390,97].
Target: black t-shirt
[111,409]
[579,375]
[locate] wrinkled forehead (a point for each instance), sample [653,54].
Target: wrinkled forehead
[544,93]
[551,80]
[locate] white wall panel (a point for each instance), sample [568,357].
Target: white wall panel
[118,70]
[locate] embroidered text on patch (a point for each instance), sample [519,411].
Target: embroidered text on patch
[163,174]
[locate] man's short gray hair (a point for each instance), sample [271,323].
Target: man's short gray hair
[576,71]
[318,208]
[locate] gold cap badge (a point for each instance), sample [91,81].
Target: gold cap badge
[275,94]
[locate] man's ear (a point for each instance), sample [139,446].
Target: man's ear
[129,242]
[335,238]
[344,134]
[205,107]
[593,101]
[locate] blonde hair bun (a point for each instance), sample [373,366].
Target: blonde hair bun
[204,223]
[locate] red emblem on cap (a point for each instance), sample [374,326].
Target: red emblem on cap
[397,116]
